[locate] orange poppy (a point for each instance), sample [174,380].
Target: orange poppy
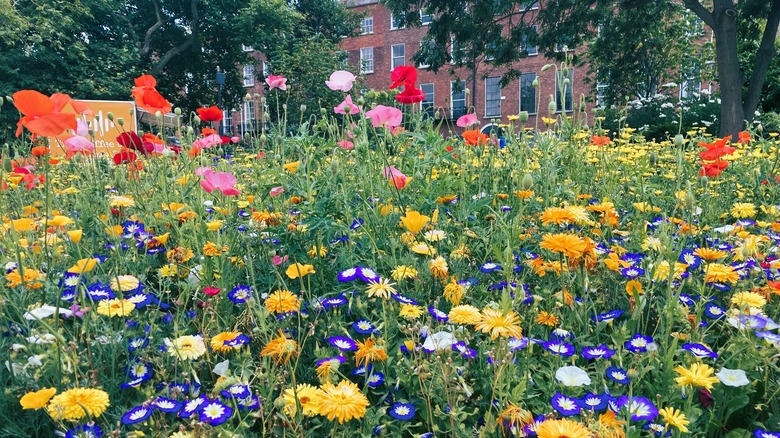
[599,140]
[39,151]
[42,115]
[208,131]
[210,114]
[744,137]
[148,98]
[475,138]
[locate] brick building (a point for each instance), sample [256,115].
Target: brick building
[382,45]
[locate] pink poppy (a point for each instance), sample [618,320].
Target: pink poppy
[279,82]
[279,260]
[385,116]
[222,181]
[207,142]
[82,128]
[340,81]
[346,145]
[276,191]
[466,120]
[78,145]
[347,104]
[234,139]
[203,171]
[211,290]
[396,177]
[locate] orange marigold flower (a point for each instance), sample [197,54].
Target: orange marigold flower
[498,324]
[280,348]
[368,352]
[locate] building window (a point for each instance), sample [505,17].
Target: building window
[248,122]
[367,25]
[493,96]
[430,44]
[529,36]
[249,75]
[427,105]
[601,90]
[690,84]
[533,5]
[528,93]
[398,55]
[227,122]
[246,48]
[564,90]
[425,19]
[457,55]
[266,69]
[367,60]
[395,22]
[457,99]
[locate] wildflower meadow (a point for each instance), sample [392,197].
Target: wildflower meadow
[365,274]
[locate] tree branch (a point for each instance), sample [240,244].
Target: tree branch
[764,54]
[173,52]
[697,8]
[146,48]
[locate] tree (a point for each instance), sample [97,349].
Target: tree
[480,25]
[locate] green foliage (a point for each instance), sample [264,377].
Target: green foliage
[662,116]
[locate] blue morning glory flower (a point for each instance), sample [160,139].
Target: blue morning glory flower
[332,302]
[363,327]
[348,274]
[403,300]
[191,407]
[240,294]
[236,391]
[632,272]
[593,402]
[137,414]
[167,405]
[761,433]
[342,343]
[638,343]
[700,350]
[640,408]
[368,275]
[402,411]
[600,352]
[376,379]
[489,267]
[714,311]
[84,431]
[214,412]
[618,375]
[438,314]
[565,405]
[357,223]
[559,348]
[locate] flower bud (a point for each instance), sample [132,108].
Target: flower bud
[679,140]
[196,119]
[9,99]
[247,97]
[284,106]
[120,121]
[361,100]
[177,111]
[704,181]
[523,116]
[546,67]
[8,166]
[303,108]
[690,199]
[759,128]
[1,100]
[158,114]
[535,83]
[632,373]
[256,95]
[110,116]
[91,132]
[551,107]
[323,111]
[527,182]
[653,160]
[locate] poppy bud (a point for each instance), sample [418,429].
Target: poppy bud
[9,99]
[523,116]
[527,182]
[653,160]
[546,67]
[705,398]
[120,121]
[303,108]
[759,128]
[279,403]
[177,111]
[690,200]
[190,131]
[284,106]
[704,181]
[91,132]
[679,140]
[196,120]
[256,95]
[632,373]
[1,100]
[323,111]
[361,101]
[551,107]
[535,83]
[8,166]
[158,114]
[248,97]
[110,116]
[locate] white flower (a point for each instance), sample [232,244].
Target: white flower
[733,378]
[439,341]
[572,376]
[221,369]
[46,311]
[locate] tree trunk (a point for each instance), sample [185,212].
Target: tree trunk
[763,58]
[730,77]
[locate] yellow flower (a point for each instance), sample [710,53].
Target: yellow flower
[462,252]
[674,417]
[748,299]
[382,288]
[556,216]
[214,225]
[115,307]
[743,210]
[314,251]
[37,399]
[514,418]
[548,319]
[292,167]
[343,402]
[280,348]
[718,273]
[33,279]
[211,249]
[662,271]
[179,255]
[699,374]
[326,367]
[414,221]
[465,314]
[498,324]
[423,249]
[304,394]
[298,270]
[217,342]
[23,225]
[548,120]
[439,268]
[168,271]
[569,245]
[59,221]
[186,347]
[524,194]
[562,428]
[410,311]
[75,404]
[282,301]
[124,283]
[75,235]
[121,201]
[454,292]
[83,265]
[368,352]
[435,235]
[402,272]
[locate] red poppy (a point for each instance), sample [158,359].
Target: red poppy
[225,139]
[39,151]
[599,140]
[715,153]
[475,138]
[410,95]
[403,75]
[744,137]
[124,156]
[210,114]
[130,140]
[148,98]
[42,115]
[207,131]
[714,169]
[719,143]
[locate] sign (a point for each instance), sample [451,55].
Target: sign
[104,130]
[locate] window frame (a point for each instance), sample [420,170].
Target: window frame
[520,102]
[430,99]
[524,44]
[393,25]
[363,25]
[393,57]
[452,98]
[498,83]
[568,95]
[363,67]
